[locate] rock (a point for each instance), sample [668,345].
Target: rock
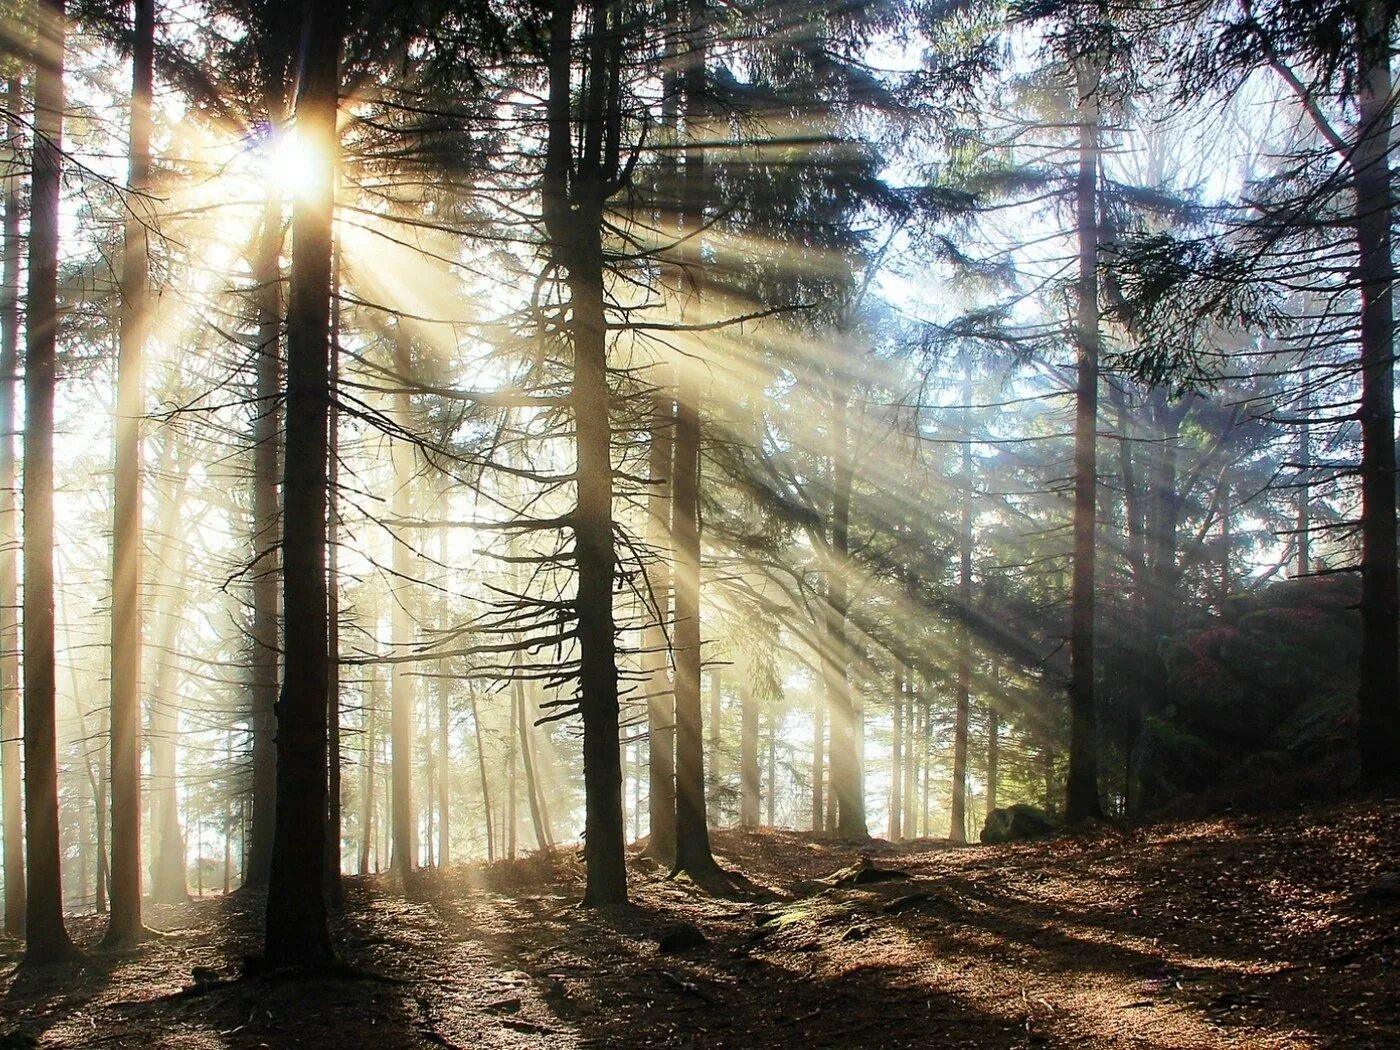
[862,873]
[1385,888]
[204,975]
[680,937]
[1015,823]
[909,900]
[856,933]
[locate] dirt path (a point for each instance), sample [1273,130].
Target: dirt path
[1250,933]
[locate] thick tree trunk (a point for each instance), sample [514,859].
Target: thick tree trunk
[168,885]
[1082,798]
[267,437]
[402,700]
[661,700]
[46,937]
[1378,697]
[296,930]
[125,927]
[10,686]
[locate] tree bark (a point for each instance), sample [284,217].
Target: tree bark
[296,929]
[10,685]
[124,926]
[46,936]
[1082,793]
[335,889]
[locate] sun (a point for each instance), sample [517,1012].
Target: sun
[293,164]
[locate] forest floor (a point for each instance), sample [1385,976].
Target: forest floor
[1252,931]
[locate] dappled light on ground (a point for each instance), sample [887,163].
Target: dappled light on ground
[1254,932]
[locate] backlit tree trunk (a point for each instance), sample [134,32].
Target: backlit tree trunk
[402,689]
[46,937]
[845,756]
[661,700]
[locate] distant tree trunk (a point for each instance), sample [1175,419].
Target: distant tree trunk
[771,795]
[10,686]
[993,756]
[485,783]
[445,772]
[512,820]
[896,829]
[714,719]
[661,700]
[911,763]
[1378,696]
[750,799]
[125,926]
[372,705]
[47,938]
[168,885]
[296,930]
[532,783]
[1082,799]
[575,190]
[818,760]
[957,827]
[267,437]
[845,755]
[404,857]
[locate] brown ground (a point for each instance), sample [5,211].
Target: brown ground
[1248,932]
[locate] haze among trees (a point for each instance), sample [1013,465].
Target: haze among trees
[488,489]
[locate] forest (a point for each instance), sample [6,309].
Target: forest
[698,523]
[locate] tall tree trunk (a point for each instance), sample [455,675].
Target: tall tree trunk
[335,889]
[661,700]
[46,937]
[845,755]
[573,198]
[1378,697]
[911,763]
[772,793]
[267,437]
[10,686]
[296,930]
[750,798]
[125,927]
[957,827]
[403,683]
[818,756]
[896,828]
[1082,792]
